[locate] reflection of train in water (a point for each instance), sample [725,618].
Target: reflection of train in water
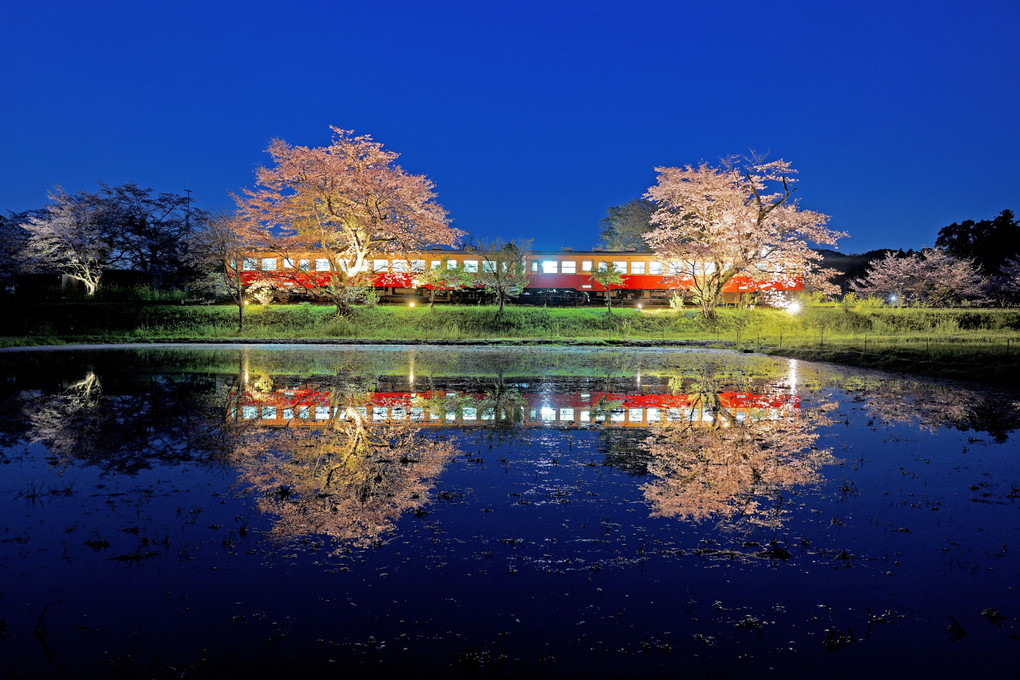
[553,276]
[521,403]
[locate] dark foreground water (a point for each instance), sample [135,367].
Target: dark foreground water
[211,512]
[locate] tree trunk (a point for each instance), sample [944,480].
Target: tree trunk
[609,302]
[240,314]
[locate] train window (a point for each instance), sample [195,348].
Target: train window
[488,267]
[620,266]
[288,414]
[655,268]
[269,264]
[249,264]
[304,412]
[637,267]
[653,415]
[417,265]
[534,265]
[268,413]
[549,266]
[380,265]
[471,266]
[586,265]
[436,264]
[321,264]
[569,267]
[288,263]
[400,266]
[603,266]
[451,264]
[304,265]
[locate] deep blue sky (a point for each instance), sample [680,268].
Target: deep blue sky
[531,118]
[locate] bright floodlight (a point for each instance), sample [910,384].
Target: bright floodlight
[794,308]
[412,305]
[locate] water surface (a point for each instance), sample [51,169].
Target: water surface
[195,512]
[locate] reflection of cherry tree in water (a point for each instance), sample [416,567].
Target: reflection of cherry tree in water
[716,464]
[350,480]
[932,405]
[156,419]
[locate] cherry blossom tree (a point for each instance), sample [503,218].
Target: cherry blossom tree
[928,278]
[349,200]
[712,223]
[69,238]
[1006,284]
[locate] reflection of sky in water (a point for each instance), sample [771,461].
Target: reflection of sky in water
[147,522]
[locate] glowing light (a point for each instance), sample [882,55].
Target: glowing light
[793,308]
[412,305]
[639,308]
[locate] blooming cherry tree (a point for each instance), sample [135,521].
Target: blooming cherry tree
[712,223]
[349,200]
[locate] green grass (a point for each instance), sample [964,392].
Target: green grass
[943,342]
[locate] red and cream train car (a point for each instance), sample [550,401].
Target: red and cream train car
[563,276]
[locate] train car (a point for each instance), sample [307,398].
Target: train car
[555,277]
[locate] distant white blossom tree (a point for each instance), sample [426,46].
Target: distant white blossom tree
[927,279]
[69,239]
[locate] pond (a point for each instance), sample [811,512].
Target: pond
[209,512]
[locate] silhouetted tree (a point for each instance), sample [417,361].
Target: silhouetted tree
[989,243]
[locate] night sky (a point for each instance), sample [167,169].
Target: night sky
[531,118]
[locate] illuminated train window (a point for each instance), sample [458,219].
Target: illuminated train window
[620,266]
[417,266]
[249,412]
[637,267]
[569,267]
[586,265]
[321,264]
[304,412]
[549,266]
[471,266]
[655,268]
[249,264]
[304,265]
[269,264]
[380,265]
[268,413]
[322,413]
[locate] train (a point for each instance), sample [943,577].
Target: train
[554,277]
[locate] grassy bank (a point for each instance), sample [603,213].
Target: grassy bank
[969,343]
